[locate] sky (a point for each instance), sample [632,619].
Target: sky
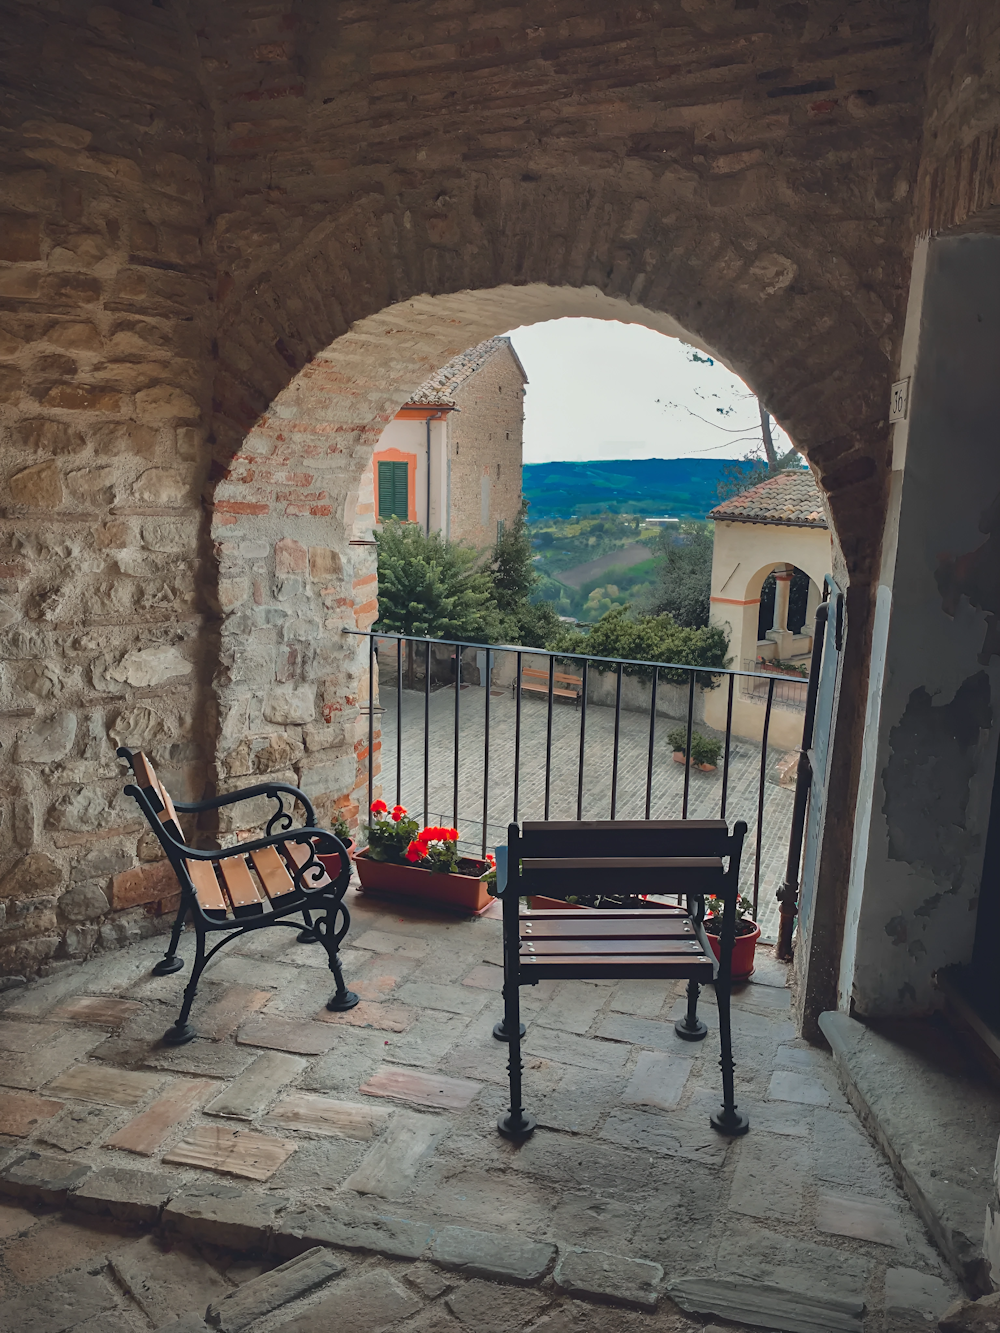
[600,389]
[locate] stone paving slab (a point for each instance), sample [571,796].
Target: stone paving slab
[624,1163]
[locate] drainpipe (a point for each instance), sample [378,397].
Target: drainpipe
[438,416]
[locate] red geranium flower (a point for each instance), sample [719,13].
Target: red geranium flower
[379,807]
[397,815]
[416,851]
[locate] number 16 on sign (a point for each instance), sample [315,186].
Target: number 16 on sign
[899,400]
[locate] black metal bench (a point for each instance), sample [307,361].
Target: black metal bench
[248,886]
[682,858]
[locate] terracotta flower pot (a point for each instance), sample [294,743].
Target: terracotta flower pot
[331,860]
[743,951]
[706,768]
[463,891]
[678,756]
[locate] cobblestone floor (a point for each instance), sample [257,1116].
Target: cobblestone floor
[705,789]
[139,1183]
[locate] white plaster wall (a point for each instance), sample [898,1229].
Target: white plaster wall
[917,857]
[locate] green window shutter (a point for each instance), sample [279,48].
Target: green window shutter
[393,490]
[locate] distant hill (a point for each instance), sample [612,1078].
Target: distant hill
[680,487]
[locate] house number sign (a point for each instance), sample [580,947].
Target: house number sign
[899,400]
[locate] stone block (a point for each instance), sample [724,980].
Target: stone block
[485,1254]
[324,1115]
[293,704]
[767,1306]
[143,884]
[83,902]
[283,1034]
[396,1237]
[659,1080]
[609,1277]
[261,1295]
[681,1134]
[31,1069]
[363,1304]
[97,1010]
[37,487]
[105,1085]
[34,875]
[290,557]
[150,666]
[324,563]
[487,1307]
[77,1127]
[769,1179]
[146,1132]
[167,1284]
[584,1052]
[860,1219]
[20,238]
[42,1178]
[420,1088]
[127,1196]
[59,1303]
[964,1316]
[231,1151]
[47,741]
[447,998]
[21,1113]
[223,1215]
[788,1085]
[911,1294]
[389,1169]
[165,404]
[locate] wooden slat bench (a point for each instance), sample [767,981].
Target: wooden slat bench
[564,685]
[682,858]
[243,888]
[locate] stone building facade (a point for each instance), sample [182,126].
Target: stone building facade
[233,241]
[458,442]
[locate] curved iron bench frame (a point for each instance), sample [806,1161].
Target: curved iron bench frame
[303,901]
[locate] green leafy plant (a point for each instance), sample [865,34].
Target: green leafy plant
[435,848]
[650,639]
[685,575]
[704,750]
[390,833]
[714,908]
[342,830]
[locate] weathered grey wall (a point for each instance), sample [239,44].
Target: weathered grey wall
[486,436]
[925,801]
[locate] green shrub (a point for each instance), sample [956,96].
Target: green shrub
[704,750]
[649,639]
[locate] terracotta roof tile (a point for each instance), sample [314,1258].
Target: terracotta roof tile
[791,499]
[439,389]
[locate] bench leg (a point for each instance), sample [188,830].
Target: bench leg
[514,1124]
[500,1030]
[182,1031]
[171,962]
[342,998]
[690,1027]
[727,1120]
[308,935]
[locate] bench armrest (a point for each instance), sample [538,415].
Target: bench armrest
[271,789]
[327,842]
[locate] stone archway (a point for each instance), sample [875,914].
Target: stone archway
[206,217]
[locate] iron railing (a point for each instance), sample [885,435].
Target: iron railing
[516,749]
[789,690]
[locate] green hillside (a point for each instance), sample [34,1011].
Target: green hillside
[680,487]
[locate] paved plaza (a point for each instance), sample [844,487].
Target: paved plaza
[141,1184]
[704,796]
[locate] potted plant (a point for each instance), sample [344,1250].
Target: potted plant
[704,751]
[331,861]
[402,858]
[747,934]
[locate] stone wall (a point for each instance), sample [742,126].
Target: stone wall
[489,428]
[233,244]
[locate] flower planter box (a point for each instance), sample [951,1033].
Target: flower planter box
[743,951]
[462,892]
[704,768]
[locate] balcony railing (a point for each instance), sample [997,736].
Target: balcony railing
[784,689]
[454,733]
